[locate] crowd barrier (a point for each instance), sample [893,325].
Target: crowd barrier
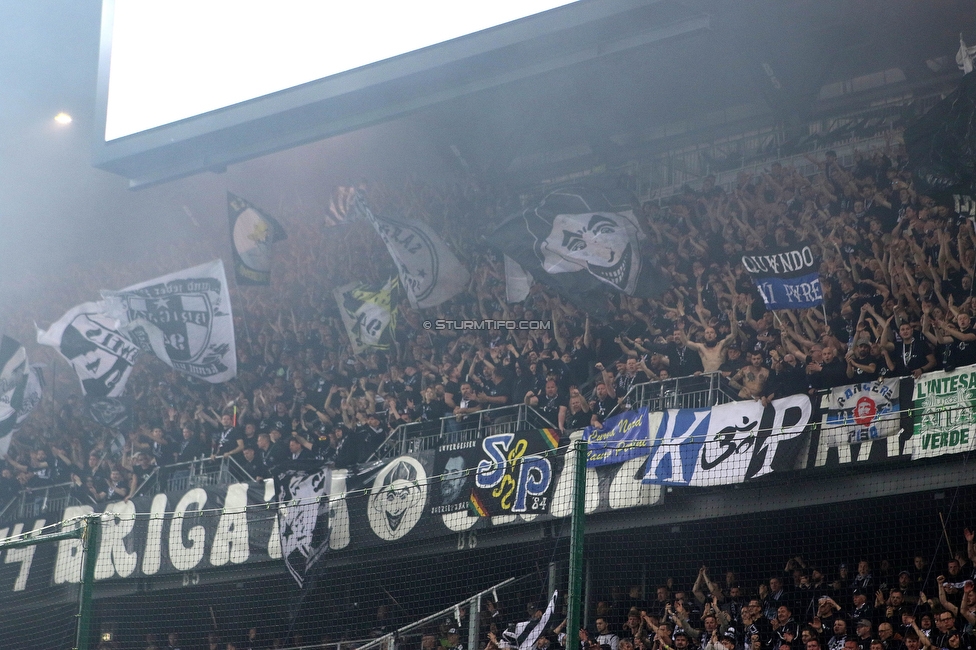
[896,419]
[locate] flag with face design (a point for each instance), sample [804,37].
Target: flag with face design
[583,242]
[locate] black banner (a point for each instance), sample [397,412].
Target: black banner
[515,474]
[215,527]
[582,242]
[454,467]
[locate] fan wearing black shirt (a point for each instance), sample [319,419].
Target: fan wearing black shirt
[280,419]
[602,406]
[190,447]
[960,341]
[630,377]
[861,366]
[497,392]
[228,440]
[787,378]
[251,464]
[830,372]
[912,355]
[551,404]
[142,473]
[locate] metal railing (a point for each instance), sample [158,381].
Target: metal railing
[391,640]
[414,437]
[178,477]
[31,502]
[349,644]
[692,392]
[201,472]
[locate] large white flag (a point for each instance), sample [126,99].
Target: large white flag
[429,272]
[184,318]
[93,344]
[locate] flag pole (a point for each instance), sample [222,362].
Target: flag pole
[576,547]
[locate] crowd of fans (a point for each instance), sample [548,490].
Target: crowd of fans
[806,607]
[897,276]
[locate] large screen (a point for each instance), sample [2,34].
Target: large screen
[175,59]
[191,85]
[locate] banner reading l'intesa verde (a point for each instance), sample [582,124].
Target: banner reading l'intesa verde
[944,413]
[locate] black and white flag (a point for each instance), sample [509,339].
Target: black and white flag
[583,242]
[368,314]
[252,232]
[184,318]
[111,412]
[524,635]
[33,392]
[303,518]
[93,343]
[14,374]
[429,272]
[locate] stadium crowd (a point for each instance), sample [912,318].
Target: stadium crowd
[896,270]
[805,607]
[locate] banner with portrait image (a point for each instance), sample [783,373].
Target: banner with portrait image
[252,232]
[183,318]
[514,474]
[727,444]
[581,242]
[866,411]
[454,467]
[786,278]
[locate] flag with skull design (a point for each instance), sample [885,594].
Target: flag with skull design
[303,517]
[582,242]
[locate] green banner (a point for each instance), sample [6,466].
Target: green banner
[945,403]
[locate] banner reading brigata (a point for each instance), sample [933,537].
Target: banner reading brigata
[787,278]
[861,412]
[945,403]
